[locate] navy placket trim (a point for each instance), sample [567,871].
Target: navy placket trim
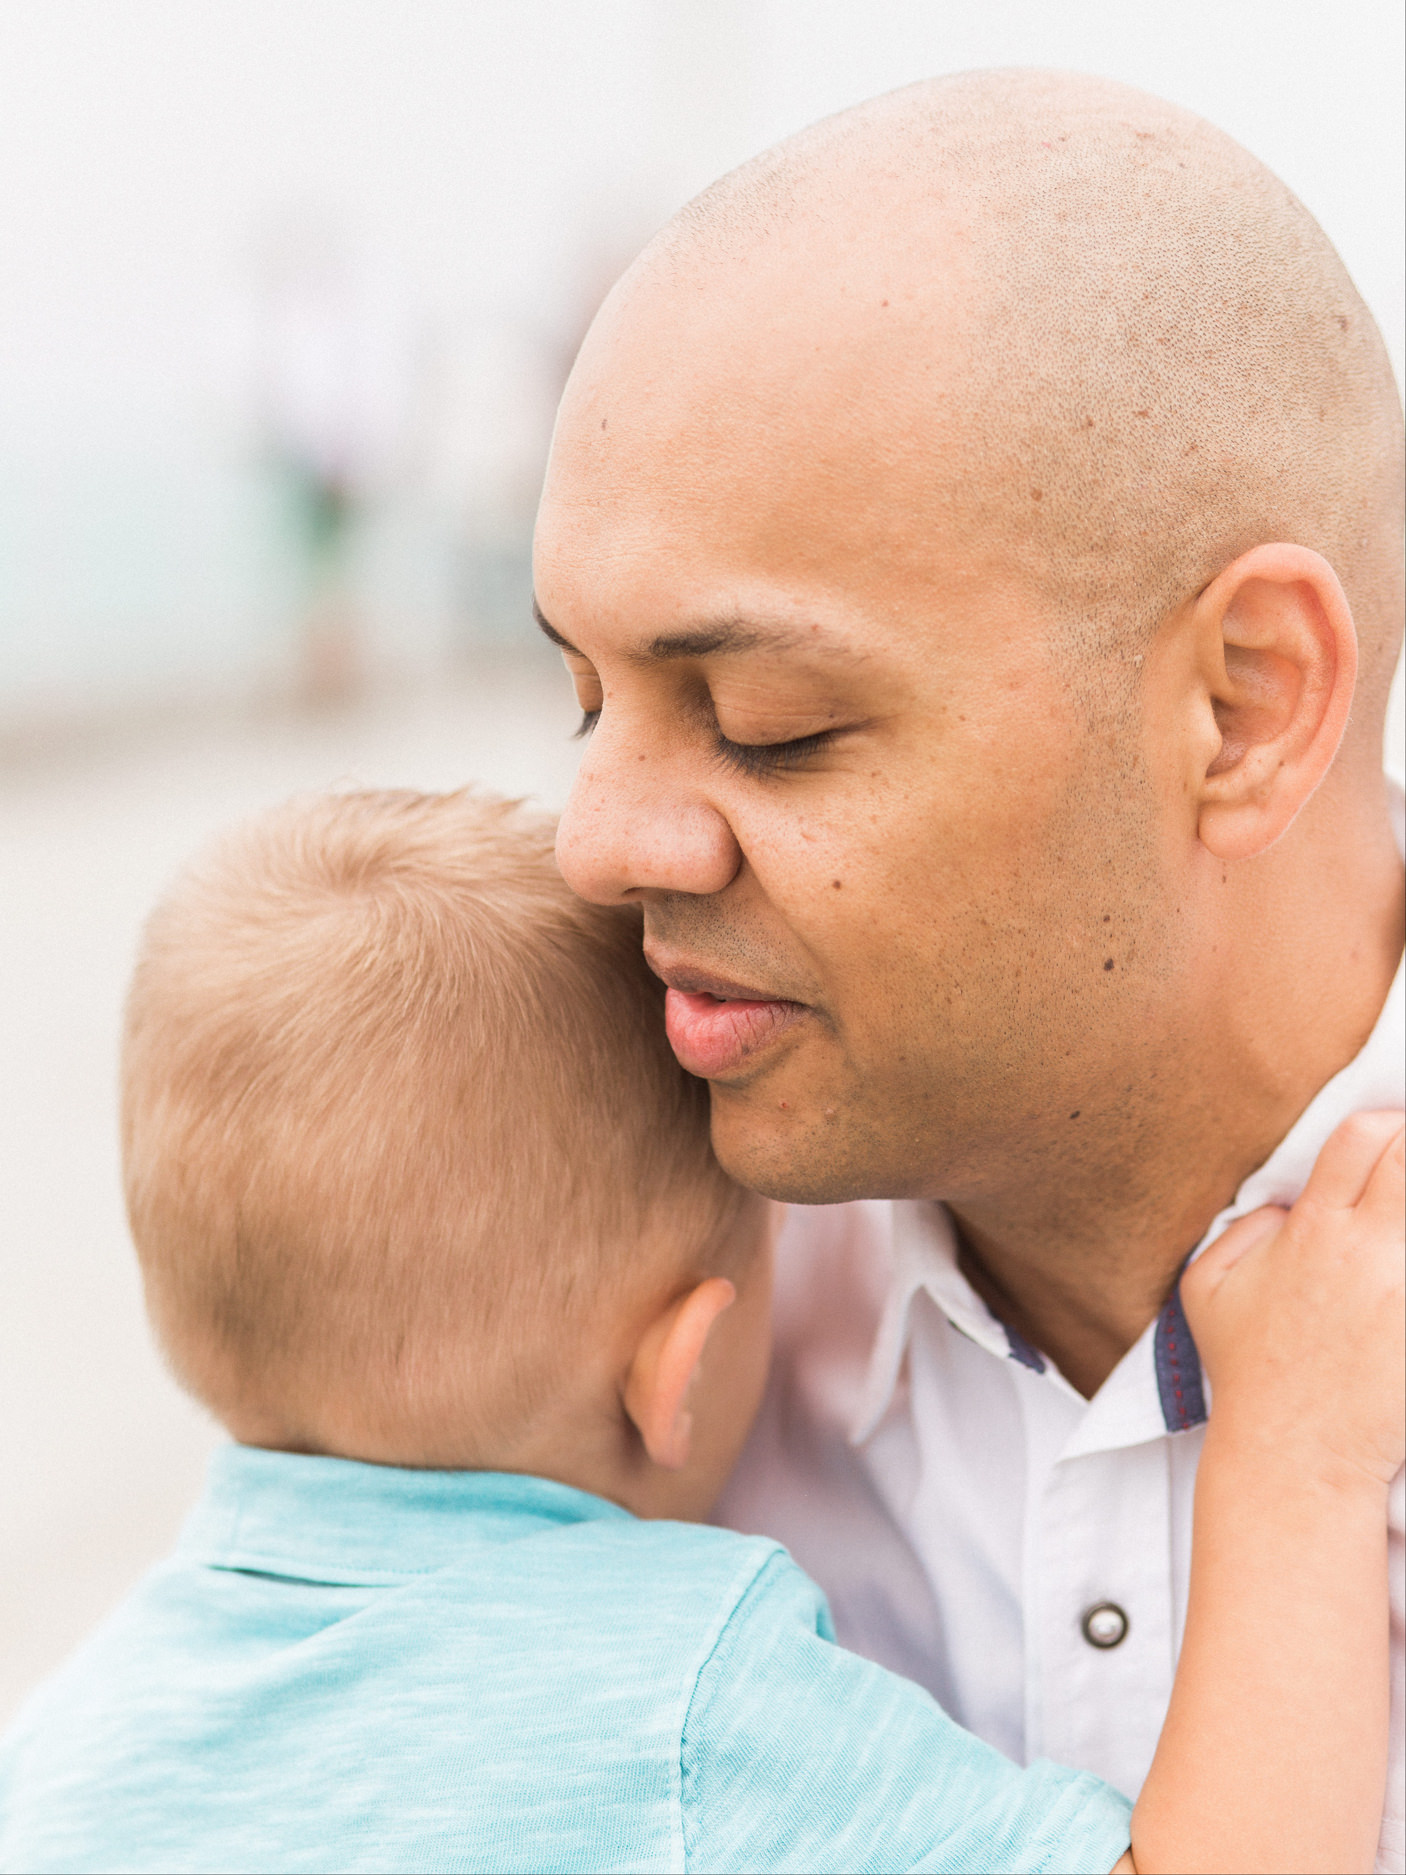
[1180,1389]
[1022,1351]
[1178,1368]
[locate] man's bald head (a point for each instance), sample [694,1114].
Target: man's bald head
[1117,349]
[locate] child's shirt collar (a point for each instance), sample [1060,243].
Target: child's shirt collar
[336,1520]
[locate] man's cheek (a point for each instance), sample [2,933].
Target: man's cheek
[839,884]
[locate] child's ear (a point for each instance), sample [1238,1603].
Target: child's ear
[655,1393]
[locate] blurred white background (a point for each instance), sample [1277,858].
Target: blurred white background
[288,290]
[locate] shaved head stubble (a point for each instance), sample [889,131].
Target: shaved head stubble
[1161,360]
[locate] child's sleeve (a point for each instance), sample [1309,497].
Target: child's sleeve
[797,1755]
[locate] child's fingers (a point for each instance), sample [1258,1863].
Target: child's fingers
[1384,1200]
[1350,1157]
[1200,1281]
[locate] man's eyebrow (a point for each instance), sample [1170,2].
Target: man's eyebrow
[727,636]
[708,640]
[550,630]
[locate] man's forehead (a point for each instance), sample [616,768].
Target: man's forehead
[808,467]
[714,531]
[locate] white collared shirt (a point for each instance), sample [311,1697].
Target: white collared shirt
[964,1507]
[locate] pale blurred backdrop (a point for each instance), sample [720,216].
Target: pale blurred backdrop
[287,291]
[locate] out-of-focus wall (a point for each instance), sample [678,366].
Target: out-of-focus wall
[288,289]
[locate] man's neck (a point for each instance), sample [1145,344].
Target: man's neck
[1079,1257]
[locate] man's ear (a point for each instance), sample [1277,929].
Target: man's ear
[655,1393]
[1277,651]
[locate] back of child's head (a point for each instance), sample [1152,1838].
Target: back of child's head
[399,1120]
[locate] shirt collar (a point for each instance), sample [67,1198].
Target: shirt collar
[334,1520]
[925,1260]
[1158,1386]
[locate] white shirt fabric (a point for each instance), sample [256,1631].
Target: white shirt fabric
[963,1506]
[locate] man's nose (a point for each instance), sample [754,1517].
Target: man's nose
[633,825]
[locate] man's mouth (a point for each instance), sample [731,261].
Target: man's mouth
[715,1024]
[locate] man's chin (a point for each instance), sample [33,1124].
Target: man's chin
[797,1157]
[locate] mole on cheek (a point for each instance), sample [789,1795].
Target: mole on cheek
[836,884]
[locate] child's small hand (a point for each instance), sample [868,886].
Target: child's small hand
[1298,1315]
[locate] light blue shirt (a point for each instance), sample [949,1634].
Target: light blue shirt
[348,1666]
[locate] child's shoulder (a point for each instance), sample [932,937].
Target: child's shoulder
[583,1642]
[642,1580]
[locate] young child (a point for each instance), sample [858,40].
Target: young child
[427,1216]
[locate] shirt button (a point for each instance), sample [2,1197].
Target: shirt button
[1104,1625]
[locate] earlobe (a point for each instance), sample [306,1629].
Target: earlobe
[655,1393]
[1280,663]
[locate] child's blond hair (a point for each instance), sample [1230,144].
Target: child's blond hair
[397,1113]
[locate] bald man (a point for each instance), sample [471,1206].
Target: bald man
[974,531]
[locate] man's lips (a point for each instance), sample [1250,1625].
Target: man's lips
[715,1024]
[711,1037]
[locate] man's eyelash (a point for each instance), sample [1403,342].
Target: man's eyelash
[772,758]
[749,758]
